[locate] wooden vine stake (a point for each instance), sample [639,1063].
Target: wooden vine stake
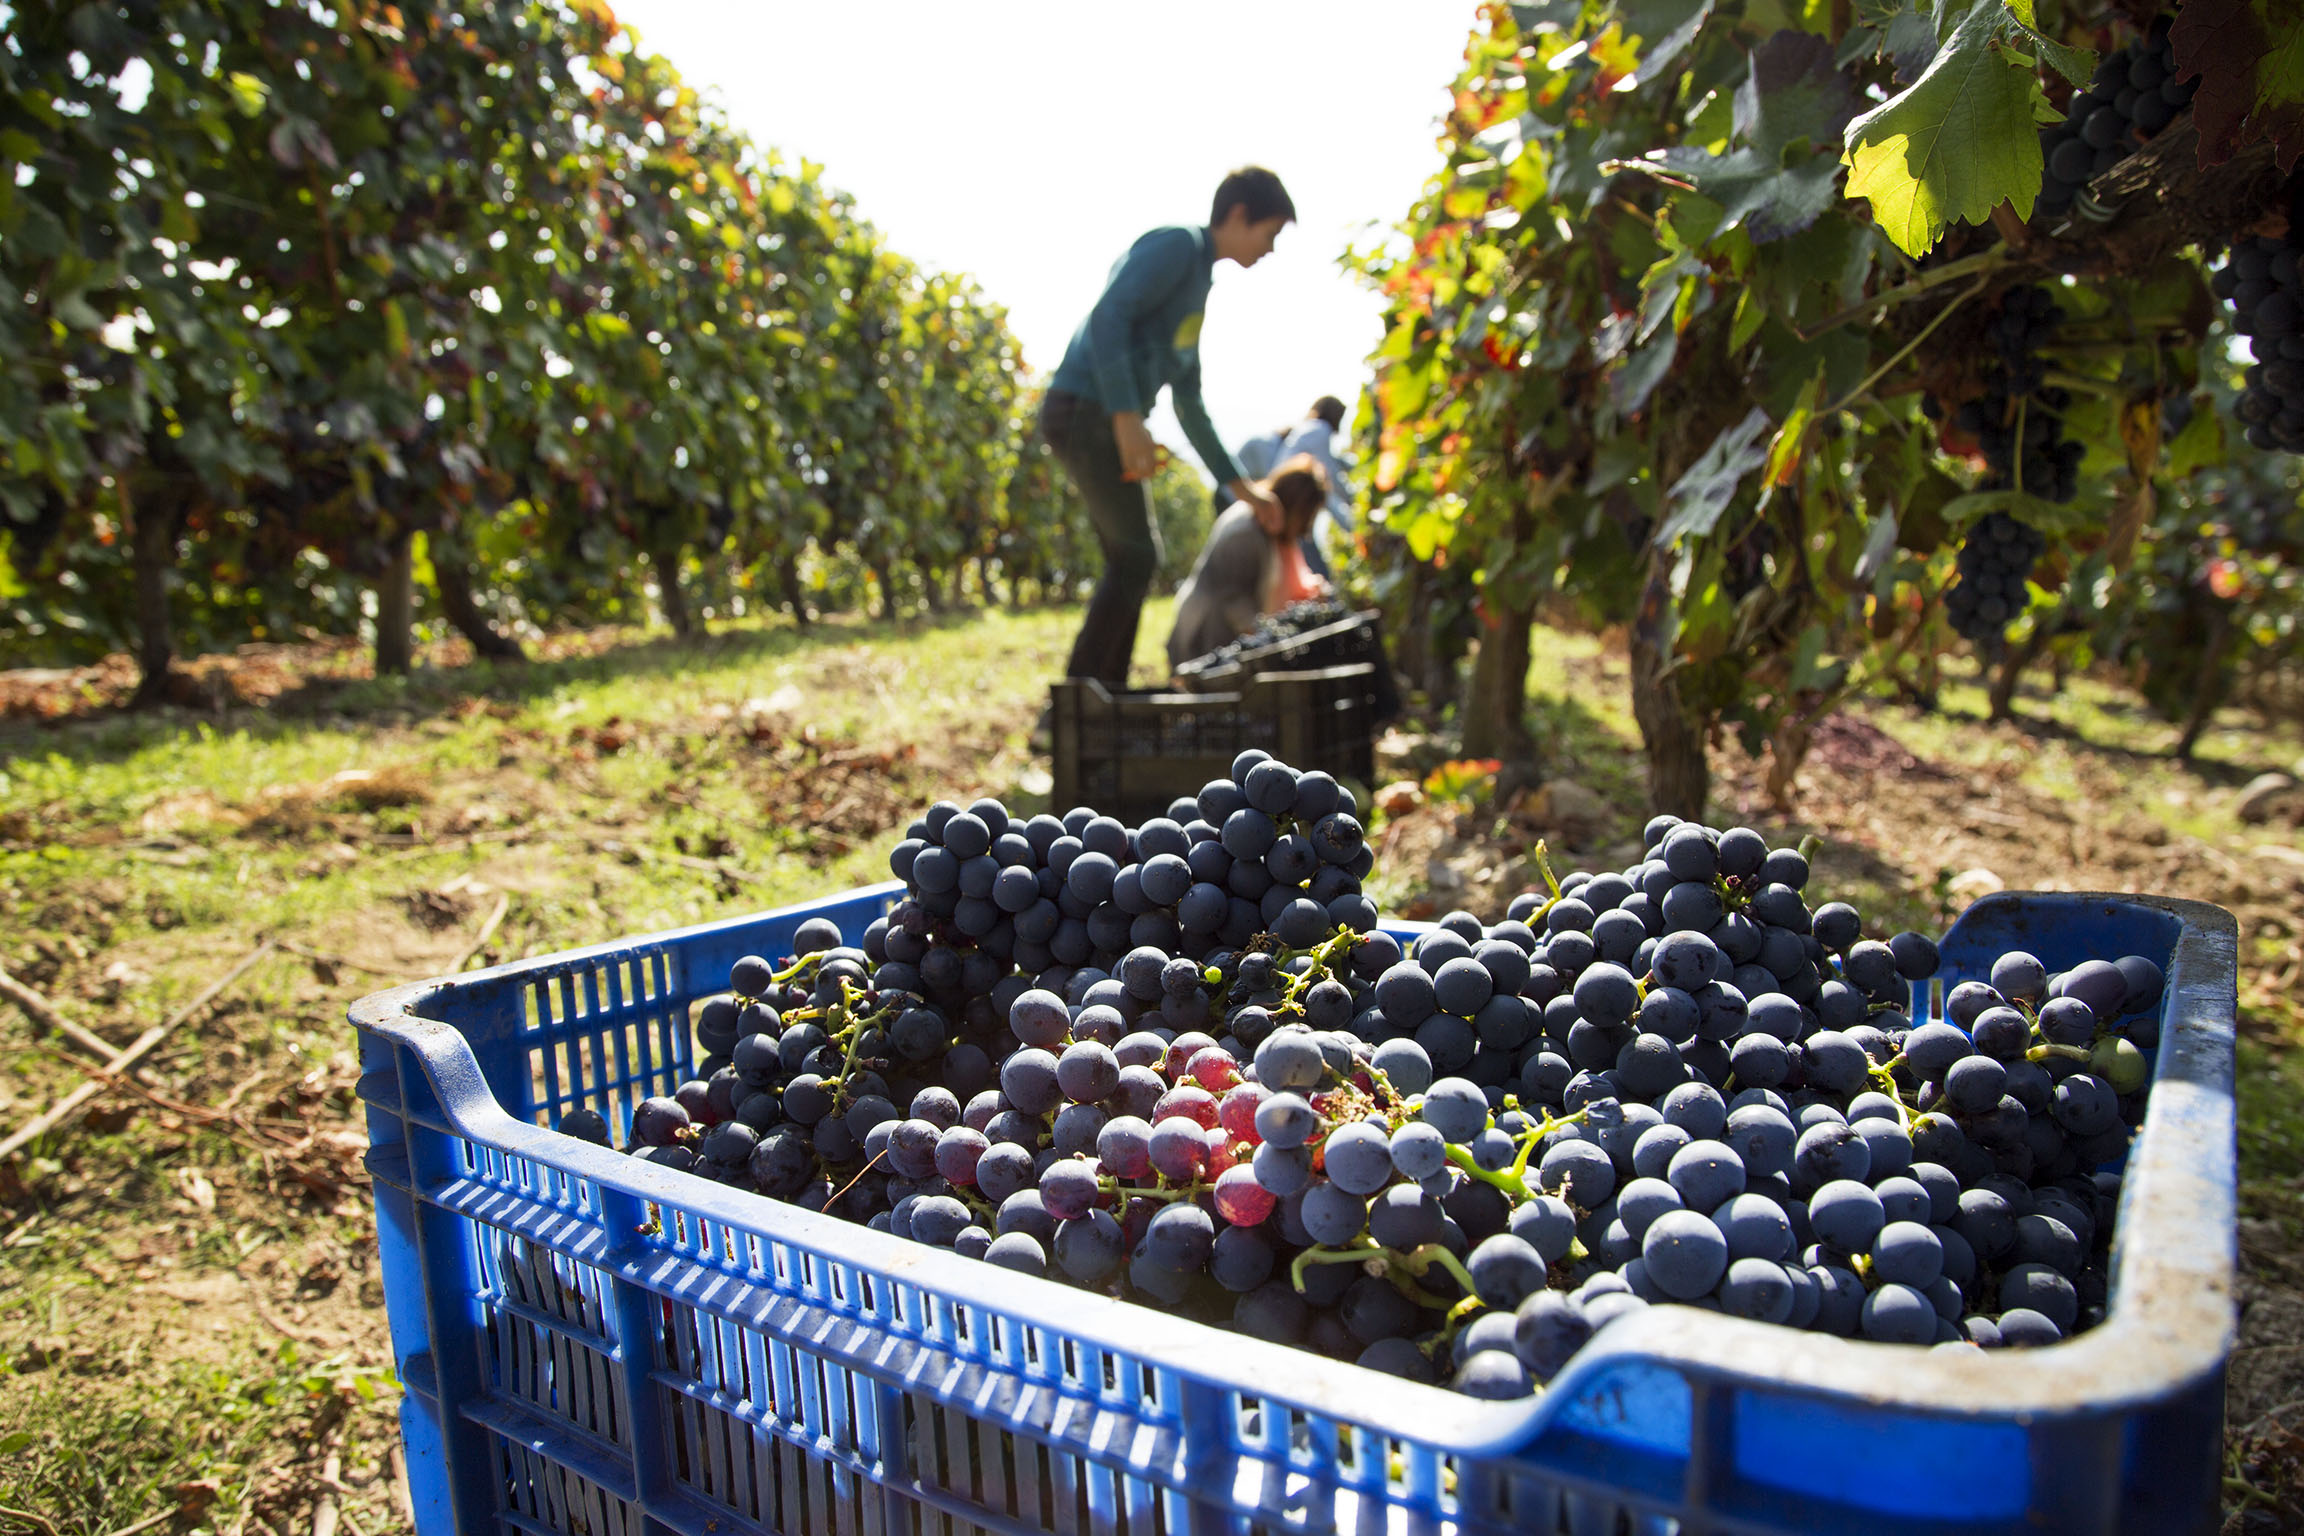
[124,1059]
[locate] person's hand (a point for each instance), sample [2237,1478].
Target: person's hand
[1263,504]
[1139,455]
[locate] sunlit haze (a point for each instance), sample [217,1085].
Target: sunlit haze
[1028,143]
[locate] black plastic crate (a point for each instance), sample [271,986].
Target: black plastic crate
[1130,754]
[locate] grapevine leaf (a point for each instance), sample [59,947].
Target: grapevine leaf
[1903,30]
[1879,547]
[1809,668]
[1910,42]
[2047,516]
[2199,444]
[1768,201]
[1792,90]
[1660,291]
[177,222]
[2249,58]
[1784,364]
[2140,434]
[1617,460]
[76,311]
[2129,515]
[1632,383]
[1784,451]
[2077,65]
[1956,144]
[1699,497]
[1687,221]
[1713,119]
[248,93]
[1922,527]
[1610,340]
[1684,22]
[1775,184]
[1559,14]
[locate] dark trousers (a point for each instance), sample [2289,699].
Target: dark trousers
[1081,433]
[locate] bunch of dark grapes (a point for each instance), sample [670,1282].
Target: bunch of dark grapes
[1990,577]
[2018,423]
[2135,94]
[1679,1083]
[1239,859]
[2265,286]
[1272,629]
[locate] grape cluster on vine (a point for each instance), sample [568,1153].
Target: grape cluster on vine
[2134,95]
[1679,1083]
[2019,419]
[1992,577]
[2018,424]
[2264,283]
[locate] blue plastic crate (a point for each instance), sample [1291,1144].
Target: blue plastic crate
[595,1346]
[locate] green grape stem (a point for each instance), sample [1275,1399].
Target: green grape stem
[1542,856]
[848,1028]
[1884,1078]
[1359,1251]
[1419,1260]
[1404,1270]
[1514,1180]
[1293,985]
[806,964]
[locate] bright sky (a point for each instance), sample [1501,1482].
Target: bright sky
[1028,142]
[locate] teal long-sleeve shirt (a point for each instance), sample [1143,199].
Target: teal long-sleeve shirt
[1144,334]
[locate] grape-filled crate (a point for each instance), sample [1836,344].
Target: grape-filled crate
[1183,1070]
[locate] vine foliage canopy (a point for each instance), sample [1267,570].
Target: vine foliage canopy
[1733,319]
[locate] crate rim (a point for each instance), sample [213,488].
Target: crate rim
[1181,696]
[2170,1324]
[1356,618]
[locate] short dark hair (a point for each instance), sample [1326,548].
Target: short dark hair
[1256,189]
[1330,410]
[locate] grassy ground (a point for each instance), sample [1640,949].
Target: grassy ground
[190,1326]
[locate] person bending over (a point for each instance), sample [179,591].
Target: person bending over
[1315,435]
[1144,336]
[1252,564]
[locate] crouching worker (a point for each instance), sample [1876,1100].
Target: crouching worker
[1252,564]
